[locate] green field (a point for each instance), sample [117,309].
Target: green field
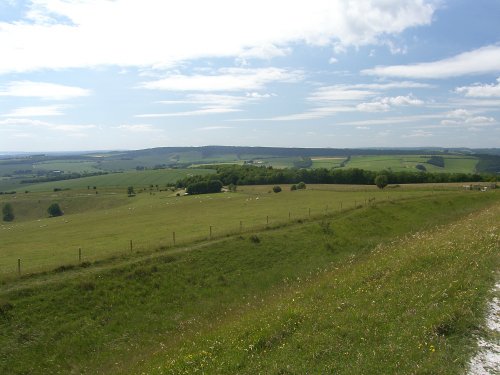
[138,179]
[103,224]
[387,287]
[452,163]
[327,162]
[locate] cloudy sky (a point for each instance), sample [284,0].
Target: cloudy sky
[129,74]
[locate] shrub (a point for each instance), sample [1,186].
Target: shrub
[54,210]
[301,185]
[381,181]
[8,212]
[276,189]
[293,187]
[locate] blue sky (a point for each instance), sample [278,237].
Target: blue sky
[130,74]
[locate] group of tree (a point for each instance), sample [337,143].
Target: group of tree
[61,177]
[204,187]
[261,175]
[8,211]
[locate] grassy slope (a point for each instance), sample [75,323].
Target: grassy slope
[307,297]
[137,178]
[102,225]
[453,163]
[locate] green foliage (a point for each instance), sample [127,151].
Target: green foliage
[276,188]
[130,191]
[381,181]
[232,188]
[8,212]
[293,187]
[204,187]
[54,210]
[438,161]
[301,185]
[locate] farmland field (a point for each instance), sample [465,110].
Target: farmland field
[452,163]
[117,180]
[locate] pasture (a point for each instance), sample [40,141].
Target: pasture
[103,224]
[384,288]
[452,163]
[138,179]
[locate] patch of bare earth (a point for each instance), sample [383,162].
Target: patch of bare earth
[487,359]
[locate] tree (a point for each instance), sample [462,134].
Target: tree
[8,212]
[381,181]
[276,189]
[54,210]
[301,185]
[293,187]
[130,191]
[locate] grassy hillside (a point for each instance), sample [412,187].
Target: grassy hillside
[452,163]
[103,224]
[136,178]
[373,290]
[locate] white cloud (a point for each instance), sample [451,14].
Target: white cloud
[228,79]
[210,104]
[338,93]
[23,122]
[198,112]
[385,104]
[480,91]
[61,34]
[479,61]
[42,90]
[37,111]
[333,60]
[462,116]
[418,134]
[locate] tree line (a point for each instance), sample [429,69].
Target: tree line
[261,175]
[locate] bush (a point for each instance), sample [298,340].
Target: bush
[293,187]
[276,189]
[8,212]
[301,185]
[381,181]
[54,210]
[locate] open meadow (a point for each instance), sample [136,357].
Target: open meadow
[385,287]
[103,224]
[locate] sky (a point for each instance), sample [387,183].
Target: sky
[130,74]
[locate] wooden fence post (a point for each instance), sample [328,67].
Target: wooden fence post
[19,266]
[131,246]
[210,232]
[173,237]
[80,254]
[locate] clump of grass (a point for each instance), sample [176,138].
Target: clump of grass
[254,238]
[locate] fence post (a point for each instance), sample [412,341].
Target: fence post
[19,266]
[267,220]
[80,254]
[131,246]
[210,232]
[173,237]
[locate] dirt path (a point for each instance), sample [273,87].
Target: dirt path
[487,359]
